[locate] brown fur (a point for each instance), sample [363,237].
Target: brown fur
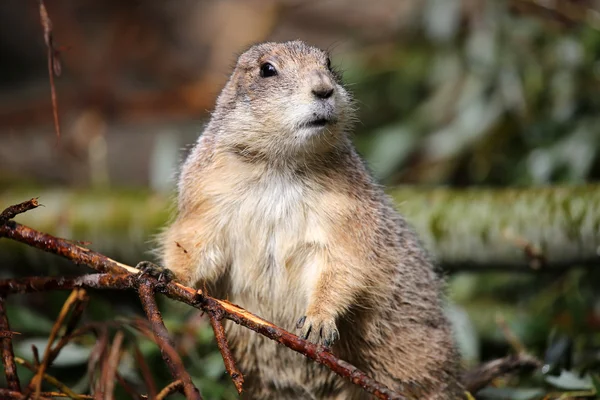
[285,221]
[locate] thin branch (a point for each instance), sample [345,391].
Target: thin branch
[176,291]
[62,247]
[566,12]
[75,317]
[36,355]
[111,365]
[232,370]
[13,394]
[130,391]
[57,394]
[8,355]
[481,376]
[66,391]
[98,350]
[510,336]
[50,354]
[231,311]
[8,334]
[161,335]
[145,371]
[53,61]
[17,209]
[169,389]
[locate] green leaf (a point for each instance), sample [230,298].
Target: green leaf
[492,393]
[70,355]
[571,381]
[25,320]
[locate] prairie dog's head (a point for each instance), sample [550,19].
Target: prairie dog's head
[283,99]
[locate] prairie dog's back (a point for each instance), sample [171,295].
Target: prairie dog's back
[278,214]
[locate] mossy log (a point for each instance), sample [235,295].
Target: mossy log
[515,228]
[478,229]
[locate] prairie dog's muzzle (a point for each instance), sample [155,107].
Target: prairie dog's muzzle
[321,85]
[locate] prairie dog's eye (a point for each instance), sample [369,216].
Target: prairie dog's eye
[267,70]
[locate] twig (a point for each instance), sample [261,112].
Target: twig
[8,356]
[176,291]
[53,381]
[168,352]
[231,311]
[161,335]
[566,12]
[8,334]
[111,365]
[49,353]
[36,355]
[17,209]
[13,394]
[53,61]
[95,356]
[130,391]
[75,317]
[57,394]
[481,376]
[145,370]
[232,370]
[533,253]
[510,336]
[187,340]
[64,248]
[169,389]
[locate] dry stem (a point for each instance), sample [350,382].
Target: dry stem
[53,61]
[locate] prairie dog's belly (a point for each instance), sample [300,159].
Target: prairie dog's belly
[268,229]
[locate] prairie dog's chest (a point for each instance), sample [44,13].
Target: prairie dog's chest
[270,202]
[262,217]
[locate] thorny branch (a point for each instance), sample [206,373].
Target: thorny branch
[122,277]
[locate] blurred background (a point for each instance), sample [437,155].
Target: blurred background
[463,102]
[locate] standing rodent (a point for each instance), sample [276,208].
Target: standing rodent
[278,214]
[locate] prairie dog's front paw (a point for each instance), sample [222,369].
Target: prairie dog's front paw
[164,275]
[318,330]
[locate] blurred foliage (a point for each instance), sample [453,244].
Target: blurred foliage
[499,99]
[487,96]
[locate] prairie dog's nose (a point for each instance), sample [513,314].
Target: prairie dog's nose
[321,85]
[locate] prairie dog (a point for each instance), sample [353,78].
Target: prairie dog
[277,213]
